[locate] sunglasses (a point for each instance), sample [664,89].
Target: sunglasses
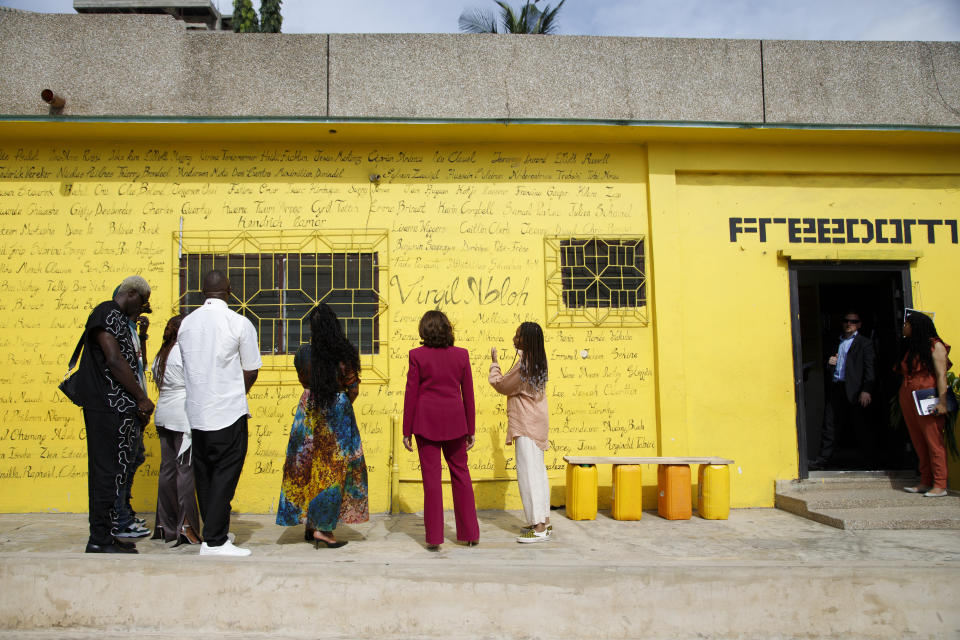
[850,321]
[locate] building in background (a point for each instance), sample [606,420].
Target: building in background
[194,14]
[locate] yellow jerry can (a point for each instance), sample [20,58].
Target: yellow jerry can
[713,491]
[627,492]
[673,492]
[581,491]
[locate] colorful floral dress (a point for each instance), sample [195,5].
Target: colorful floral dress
[325,475]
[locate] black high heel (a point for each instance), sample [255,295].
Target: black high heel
[309,537]
[328,545]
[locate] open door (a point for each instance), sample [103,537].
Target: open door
[820,295]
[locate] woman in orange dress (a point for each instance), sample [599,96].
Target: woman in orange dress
[925,366]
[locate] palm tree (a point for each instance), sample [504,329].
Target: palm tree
[529,19]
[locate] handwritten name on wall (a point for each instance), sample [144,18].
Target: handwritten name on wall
[465,226]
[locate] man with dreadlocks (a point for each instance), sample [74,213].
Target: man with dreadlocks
[527,425]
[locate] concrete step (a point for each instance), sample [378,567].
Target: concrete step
[603,578]
[845,498]
[867,503]
[849,480]
[891,518]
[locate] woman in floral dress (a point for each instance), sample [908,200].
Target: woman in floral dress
[325,475]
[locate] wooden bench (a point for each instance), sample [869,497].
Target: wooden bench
[673,487]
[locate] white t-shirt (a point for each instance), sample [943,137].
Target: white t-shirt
[171,411]
[217,345]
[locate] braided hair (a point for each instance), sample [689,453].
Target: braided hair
[329,347]
[533,362]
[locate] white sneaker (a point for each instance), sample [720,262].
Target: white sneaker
[534,536]
[226,549]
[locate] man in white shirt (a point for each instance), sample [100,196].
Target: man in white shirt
[221,359]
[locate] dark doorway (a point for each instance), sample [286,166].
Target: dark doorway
[821,294]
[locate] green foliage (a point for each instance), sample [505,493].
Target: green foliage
[528,20]
[896,413]
[950,430]
[244,17]
[270,18]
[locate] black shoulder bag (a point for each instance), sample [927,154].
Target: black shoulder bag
[70,386]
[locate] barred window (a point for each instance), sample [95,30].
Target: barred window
[595,281]
[277,291]
[602,273]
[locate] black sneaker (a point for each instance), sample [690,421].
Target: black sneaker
[133,530]
[123,544]
[109,548]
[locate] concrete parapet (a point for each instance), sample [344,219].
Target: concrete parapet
[862,83]
[150,66]
[519,77]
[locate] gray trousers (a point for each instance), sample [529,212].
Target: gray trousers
[176,493]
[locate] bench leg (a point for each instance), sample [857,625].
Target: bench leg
[673,492]
[713,491]
[627,492]
[581,492]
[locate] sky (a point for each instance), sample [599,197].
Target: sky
[766,19]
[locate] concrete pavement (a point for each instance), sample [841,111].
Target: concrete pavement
[761,574]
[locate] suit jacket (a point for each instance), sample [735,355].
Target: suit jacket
[438,403]
[859,374]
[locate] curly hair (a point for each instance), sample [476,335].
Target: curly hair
[919,344]
[329,348]
[169,339]
[533,362]
[435,330]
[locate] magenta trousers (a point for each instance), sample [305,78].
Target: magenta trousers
[464,507]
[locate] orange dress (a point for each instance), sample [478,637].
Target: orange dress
[926,432]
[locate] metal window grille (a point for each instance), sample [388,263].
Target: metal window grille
[277,291]
[594,281]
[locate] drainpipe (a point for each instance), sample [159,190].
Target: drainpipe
[396,436]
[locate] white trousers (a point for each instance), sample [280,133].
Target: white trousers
[532,481]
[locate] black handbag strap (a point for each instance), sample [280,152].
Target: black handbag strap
[76,353]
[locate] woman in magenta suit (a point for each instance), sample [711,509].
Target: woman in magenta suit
[438,409]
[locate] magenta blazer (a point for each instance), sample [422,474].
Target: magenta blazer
[438,403]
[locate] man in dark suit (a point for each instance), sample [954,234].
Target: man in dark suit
[852,376]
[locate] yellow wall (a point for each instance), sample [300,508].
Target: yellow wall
[465,216]
[725,363]
[466,226]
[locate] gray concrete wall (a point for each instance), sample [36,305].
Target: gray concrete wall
[862,82]
[131,65]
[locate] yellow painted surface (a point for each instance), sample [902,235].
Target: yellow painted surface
[465,210]
[728,388]
[466,225]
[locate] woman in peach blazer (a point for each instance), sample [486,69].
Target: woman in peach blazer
[438,409]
